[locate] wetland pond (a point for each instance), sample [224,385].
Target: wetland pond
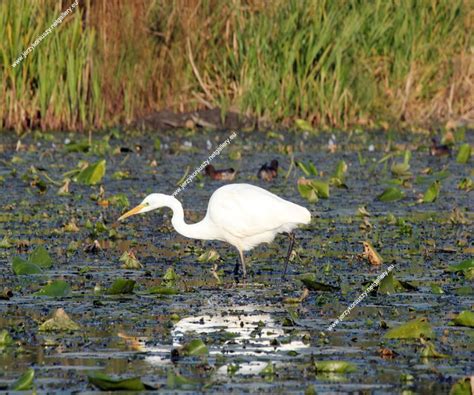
[88,303]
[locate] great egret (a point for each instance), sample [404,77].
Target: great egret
[240,214]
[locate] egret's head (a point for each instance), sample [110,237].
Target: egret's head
[151,202]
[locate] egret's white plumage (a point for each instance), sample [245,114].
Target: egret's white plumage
[240,214]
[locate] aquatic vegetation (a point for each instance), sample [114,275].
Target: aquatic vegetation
[59,321]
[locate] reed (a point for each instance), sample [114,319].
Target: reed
[335,63]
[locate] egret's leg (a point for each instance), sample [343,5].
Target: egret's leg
[244,269]
[290,249]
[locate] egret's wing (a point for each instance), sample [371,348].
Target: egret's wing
[245,210]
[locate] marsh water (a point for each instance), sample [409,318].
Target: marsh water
[260,338]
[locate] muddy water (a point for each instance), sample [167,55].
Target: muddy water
[246,327]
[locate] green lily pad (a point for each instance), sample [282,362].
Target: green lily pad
[461,387]
[58,288]
[411,330]
[429,351]
[303,125]
[391,194]
[159,290]
[5,338]
[25,381]
[461,267]
[175,380]
[41,257]
[22,267]
[130,261]
[465,318]
[194,348]
[432,192]
[209,256]
[334,366]
[106,383]
[60,321]
[170,275]
[121,286]
[464,154]
[309,282]
[92,174]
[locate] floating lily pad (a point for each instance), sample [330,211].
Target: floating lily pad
[432,192]
[391,194]
[429,351]
[159,290]
[5,338]
[209,256]
[130,261]
[22,267]
[411,330]
[56,288]
[92,174]
[121,286]
[464,154]
[194,348]
[25,381]
[462,387]
[60,321]
[175,380]
[465,318]
[107,383]
[309,281]
[41,257]
[334,366]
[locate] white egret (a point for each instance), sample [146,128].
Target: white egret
[240,214]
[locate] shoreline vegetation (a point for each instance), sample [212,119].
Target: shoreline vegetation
[319,64]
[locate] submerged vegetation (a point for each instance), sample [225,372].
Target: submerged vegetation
[312,62]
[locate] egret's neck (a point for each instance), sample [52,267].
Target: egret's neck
[203,230]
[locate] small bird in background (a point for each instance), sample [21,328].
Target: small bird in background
[439,149]
[242,215]
[268,172]
[221,175]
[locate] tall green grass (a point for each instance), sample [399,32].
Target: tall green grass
[335,63]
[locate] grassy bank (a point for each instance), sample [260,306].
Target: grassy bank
[336,63]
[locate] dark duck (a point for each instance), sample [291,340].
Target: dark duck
[268,172]
[439,149]
[220,175]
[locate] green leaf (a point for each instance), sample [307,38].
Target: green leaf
[400,169]
[121,286]
[390,285]
[432,192]
[41,257]
[25,381]
[159,290]
[22,267]
[465,318]
[462,267]
[130,261]
[461,387]
[5,338]
[92,174]
[175,380]
[429,351]
[58,288]
[308,192]
[268,370]
[106,383]
[303,125]
[60,321]
[391,194]
[309,282]
[209,256]
[194,348]
[322,188]
[464,153]
[411,330]
[170,275]
[334,366]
